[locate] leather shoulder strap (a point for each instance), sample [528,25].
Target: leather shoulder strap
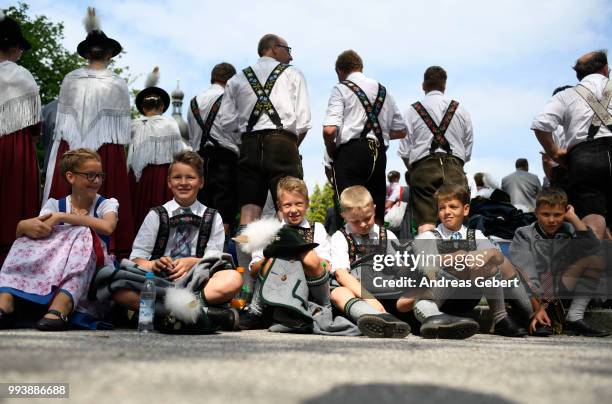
[163,233]
[372,111]
[205,230]
[264,105]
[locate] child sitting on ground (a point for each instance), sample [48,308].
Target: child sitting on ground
[468,255]
[347,246]
[55,255]
[559,268]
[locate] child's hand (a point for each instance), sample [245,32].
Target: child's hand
[182,266]
[540,317]
[54,219]
[162,265]
[570,213]
[35,228]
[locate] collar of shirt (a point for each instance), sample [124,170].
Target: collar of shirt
[433,93]
[217,87]
[173,207]
[355,75]
[304,224]
[267,60]
[446,233]
[372,235]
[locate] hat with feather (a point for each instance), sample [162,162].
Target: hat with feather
[10,33]
[96,38]
[151,90]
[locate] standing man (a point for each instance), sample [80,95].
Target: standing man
[585,112]
[360,120]
[219,149]
[522,186]
[439,142]
[269,104]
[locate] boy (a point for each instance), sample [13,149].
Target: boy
[173,239]
[549,268]
[393,190]
[292,199]
[347,246]
[467,256]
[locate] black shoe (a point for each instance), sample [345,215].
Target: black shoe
[382,325]
[506,327]
[580,327]
[448,327]
[7,320]
[250,320]
[226,319]
[542,330]
[53,324]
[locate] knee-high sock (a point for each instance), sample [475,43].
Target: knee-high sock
[585,287]
[519,297]
[356,308]
[424,309]
[319,289]
[495,300]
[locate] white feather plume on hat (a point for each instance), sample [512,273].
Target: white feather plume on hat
[259,234]
[153,78]
[91,21]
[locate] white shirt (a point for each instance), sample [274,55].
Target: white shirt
[344,110]
[145,239]
[568,109]
[417,142]
[320,237]
[229,140]
[289,96]
[394,191]
[109,205]
[340,248]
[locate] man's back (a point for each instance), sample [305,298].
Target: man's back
[522,186]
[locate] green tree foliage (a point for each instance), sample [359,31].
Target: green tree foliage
[321,199]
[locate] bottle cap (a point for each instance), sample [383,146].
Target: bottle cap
[240,269]
[150,275]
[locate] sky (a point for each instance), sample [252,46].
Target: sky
[503,58]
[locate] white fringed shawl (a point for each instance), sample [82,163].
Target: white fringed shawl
[19,98]
[93,109]
[155,140]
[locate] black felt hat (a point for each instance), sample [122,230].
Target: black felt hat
[152,91]
[10,33]
[98,39]
[288,243]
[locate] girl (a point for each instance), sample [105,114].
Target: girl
[55,255]
[155,140]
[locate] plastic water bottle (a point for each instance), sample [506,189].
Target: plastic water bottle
[147,304]
[242,296]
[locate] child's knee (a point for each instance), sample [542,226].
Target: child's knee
[228,281]
[124,297]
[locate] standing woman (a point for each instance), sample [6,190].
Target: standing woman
[94,112]
[155,141]
[20,125]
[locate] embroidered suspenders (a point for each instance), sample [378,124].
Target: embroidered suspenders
[372,111]
[264,104]
[356,250]
[62,207]
[206,126]
[600,108]
[204,224]
[449,246]
[438,131]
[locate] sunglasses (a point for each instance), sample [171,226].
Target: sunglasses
[288,48]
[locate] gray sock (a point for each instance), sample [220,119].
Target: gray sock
[356,308]
[319,289]
[495,300]
[256,305]
[519,297]
[584,290]
[424,309]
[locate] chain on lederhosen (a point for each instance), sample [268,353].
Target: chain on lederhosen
[206,125]
[439,140]
[264,105]
[204,224]
[600,108]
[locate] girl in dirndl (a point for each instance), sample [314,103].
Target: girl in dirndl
[56,254]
